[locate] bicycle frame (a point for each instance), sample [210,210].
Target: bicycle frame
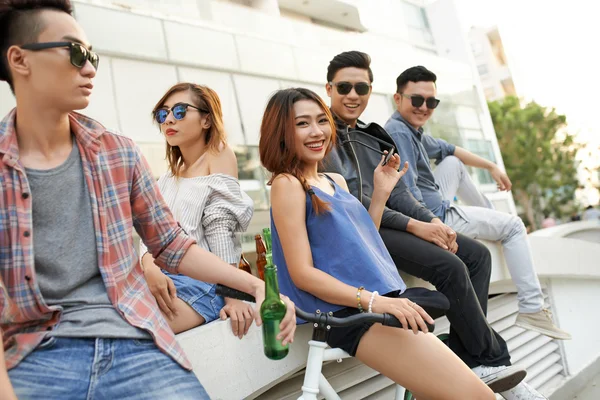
[318,352]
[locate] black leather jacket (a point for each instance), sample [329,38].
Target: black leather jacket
[356,164]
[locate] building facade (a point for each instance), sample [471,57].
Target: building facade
[247,49]
[491,62]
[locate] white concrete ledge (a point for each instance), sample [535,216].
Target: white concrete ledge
[233,369]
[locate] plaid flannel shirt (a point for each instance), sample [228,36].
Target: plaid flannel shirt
[124,196]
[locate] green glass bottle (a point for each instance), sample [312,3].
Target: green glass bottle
[272,311]
[267,236]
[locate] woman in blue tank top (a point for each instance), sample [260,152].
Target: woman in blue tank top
[330,255]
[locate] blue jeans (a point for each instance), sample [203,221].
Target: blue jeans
[98,369]
[478,220]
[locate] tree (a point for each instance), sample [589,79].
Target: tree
[540,157]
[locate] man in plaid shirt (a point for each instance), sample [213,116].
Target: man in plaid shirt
[76,316]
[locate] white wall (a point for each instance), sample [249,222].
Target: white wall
[576,309]
[447,31]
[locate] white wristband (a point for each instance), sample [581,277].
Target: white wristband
[375,293]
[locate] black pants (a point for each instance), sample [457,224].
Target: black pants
[464,279]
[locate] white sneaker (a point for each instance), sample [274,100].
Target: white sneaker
[523,392]
[500,379]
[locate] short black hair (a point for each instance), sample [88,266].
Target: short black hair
[356,59]
[414,74]
[20,24]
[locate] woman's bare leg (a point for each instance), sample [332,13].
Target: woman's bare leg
[186,318]
[420,363]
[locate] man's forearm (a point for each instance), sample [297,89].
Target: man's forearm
[404,202]
[390,219]
[7,392]
[472,160]
[204,266]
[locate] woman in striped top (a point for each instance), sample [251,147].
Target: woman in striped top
[203,192]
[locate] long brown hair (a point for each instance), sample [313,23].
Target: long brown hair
[277,138]
[205,98]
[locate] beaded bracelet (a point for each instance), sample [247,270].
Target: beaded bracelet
[360,307]
[375,293]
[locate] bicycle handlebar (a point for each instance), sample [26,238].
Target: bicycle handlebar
[383,319]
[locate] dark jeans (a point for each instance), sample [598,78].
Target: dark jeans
[464,279]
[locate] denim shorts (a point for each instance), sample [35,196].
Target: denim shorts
[199,295]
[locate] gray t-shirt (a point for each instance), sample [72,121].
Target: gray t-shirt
[66,258]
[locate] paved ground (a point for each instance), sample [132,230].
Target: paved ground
[592,391]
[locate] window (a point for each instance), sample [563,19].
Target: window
[252,175]
[482,69]
[509,87]
[482,148]
[467,117]
[445,114]
[450,134]
[136,98]
[490,93]
[476,48]
[252,94]
[221,83]
[418,24]
[378,109]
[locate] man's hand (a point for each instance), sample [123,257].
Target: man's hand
[502,180]
[241,314]
[163,289]
[451,242]
[436,233]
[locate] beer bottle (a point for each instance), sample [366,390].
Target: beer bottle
[272,311]
[261,260]
[267,236]
[244,265]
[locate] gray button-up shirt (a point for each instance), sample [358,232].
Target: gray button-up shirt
[418,148]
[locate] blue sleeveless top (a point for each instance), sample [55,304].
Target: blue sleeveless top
[346,245]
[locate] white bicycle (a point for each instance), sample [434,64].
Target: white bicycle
[315,382]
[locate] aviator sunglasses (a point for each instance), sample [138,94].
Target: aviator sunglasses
[417,100]
[179,112]
[343,88]
[78,53]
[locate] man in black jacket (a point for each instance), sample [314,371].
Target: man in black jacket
[419,242]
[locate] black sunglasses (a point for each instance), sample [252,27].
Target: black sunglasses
[179,112]
[417,100]
[343,88]
[79,54]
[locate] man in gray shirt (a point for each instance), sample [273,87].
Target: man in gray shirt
[415,100]
[66,260]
